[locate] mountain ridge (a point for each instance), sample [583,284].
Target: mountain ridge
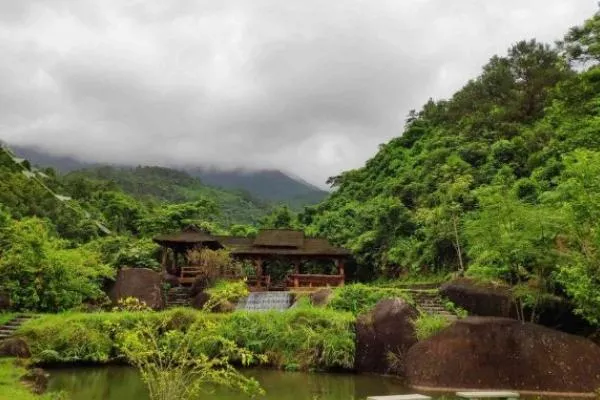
[269,185]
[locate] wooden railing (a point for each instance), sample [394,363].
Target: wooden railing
[314,280]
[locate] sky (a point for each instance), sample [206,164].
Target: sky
[309,87]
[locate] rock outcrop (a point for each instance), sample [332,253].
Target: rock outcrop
[501,353]
[14,347]
[144,284]
[477,299]
[321,297]
[38,379]
[384,335]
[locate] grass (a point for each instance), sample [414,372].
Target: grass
[11,387]
[306,338]
[414,279]
[5,317]
[427,325]
[359,298]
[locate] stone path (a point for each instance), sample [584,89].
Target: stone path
[8,329]
[179,296]
[429,302]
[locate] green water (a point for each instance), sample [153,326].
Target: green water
[124,383]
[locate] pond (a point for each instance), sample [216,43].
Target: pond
[120,382]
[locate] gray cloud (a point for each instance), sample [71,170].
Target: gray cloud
[309,87]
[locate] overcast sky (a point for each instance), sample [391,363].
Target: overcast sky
[310,87]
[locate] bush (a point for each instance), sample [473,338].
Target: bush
[427,325]
[304,339]
[359,298]
[40,272]
[225,292]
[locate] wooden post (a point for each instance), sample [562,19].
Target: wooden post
[165,255]
[258,271]
[340,265]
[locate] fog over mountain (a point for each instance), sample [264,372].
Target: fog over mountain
[309,88]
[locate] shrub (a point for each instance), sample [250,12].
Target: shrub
[427,325]
[225,292]
[40,272]
[359,298]
[307,338]
[172,368]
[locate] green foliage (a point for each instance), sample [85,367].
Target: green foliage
[225,292]
[359,298]
[427,325]
[126,251]
[131,304]
[296,339]
[156,185]
[456,310]
[173,368]
[11,386]
[499,181]
[40,272]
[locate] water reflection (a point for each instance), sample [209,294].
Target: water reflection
[118,383]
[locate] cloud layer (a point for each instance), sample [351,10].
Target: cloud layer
[309,87]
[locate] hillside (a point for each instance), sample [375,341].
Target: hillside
[269,185]
[164,184]
[501,180]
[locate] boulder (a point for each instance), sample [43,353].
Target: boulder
[478,299]
[172,280]
[502,353]
[14,347]
[144,284]
[37,378]
[200,300]
[384,335]
[321,297]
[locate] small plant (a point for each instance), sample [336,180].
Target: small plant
[359,298]
[225,292]
[427,325]
[178,365]
[456,310]
[131,304]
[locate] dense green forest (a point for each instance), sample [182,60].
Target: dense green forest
[501,180]
[157,184]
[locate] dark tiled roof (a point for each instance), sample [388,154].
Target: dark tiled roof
[241,246]
[189,235]
[311,247]
[279,238]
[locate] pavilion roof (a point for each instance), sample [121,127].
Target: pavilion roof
[189,235]
[268,242]
[279,238]
[311,247]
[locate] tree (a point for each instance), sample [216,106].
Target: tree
[577,200]
[513,242]
[582,43]
[40,272]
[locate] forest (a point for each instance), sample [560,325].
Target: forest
[498,183]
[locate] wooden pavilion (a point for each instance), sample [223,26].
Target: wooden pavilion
[273,245]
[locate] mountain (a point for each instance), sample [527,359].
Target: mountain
[165,184]
[270,185]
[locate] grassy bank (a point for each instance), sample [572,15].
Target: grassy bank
[11,387]
[303,339]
